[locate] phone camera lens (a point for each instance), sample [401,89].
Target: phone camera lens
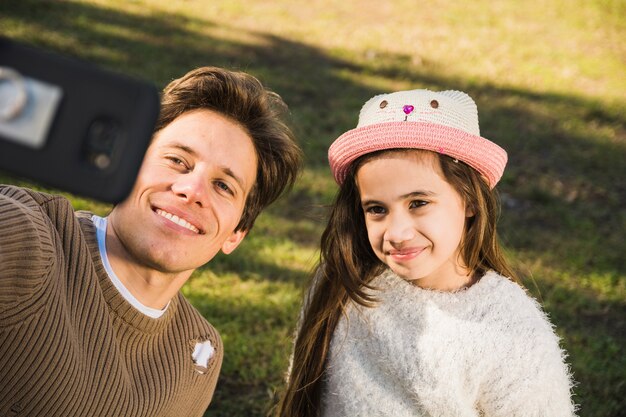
[102,161]
[102,136]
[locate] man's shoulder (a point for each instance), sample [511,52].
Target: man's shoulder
[194,322]
[28,248]
[34,226]
[30,199]
[189,313]
[23,212]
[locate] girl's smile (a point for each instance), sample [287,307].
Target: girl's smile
[405,254]
[415,219]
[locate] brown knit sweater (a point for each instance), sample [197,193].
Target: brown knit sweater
[70,344]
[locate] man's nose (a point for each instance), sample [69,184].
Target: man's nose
[192,187]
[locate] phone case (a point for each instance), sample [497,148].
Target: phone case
[71,125]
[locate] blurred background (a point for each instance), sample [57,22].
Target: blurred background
[549,78]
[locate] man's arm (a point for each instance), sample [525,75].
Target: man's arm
[26,251]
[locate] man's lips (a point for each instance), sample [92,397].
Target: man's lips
[178,220]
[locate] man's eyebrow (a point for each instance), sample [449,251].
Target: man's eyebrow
[182,147]
[229,172]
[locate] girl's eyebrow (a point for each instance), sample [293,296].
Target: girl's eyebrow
[412,194]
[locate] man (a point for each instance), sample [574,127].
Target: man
[92,322]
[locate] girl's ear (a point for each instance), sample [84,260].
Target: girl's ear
[469,211]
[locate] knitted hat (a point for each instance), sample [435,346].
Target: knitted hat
[445,122]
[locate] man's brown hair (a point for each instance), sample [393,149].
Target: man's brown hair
[243,99]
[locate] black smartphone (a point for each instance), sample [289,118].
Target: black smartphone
[72,125]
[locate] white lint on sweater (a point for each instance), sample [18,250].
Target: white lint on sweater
[488,350]
[202,352]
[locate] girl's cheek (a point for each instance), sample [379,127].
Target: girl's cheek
[371,235]
[376,236]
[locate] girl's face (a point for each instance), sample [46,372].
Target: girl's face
[415,220]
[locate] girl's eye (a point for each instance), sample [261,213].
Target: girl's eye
[417,203]
[375,210]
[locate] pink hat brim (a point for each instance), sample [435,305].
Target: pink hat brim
[481,154]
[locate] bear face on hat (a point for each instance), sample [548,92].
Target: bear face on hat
[445,122]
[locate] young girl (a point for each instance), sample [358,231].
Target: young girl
[413,310]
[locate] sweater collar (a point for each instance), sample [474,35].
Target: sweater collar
[388,280]
[117,303]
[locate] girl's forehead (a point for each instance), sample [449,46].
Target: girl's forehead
[417,156]
[399,170]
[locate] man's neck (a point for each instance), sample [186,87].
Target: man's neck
[151,287]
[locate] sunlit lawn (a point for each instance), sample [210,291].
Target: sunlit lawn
[548,78]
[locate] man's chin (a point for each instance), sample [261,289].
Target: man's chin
[171,264]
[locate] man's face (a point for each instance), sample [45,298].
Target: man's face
[189,194]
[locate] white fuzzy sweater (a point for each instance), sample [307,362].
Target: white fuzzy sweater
[488,350]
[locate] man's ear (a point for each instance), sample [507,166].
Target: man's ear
[233,241]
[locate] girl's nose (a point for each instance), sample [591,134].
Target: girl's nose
[399,229]
[192,187]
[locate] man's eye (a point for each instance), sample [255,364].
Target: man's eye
[222,185]
[177,161]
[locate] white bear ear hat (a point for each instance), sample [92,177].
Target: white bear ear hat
[445,122]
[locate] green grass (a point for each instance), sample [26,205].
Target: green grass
[548,78]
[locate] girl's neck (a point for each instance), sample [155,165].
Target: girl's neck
[448,281]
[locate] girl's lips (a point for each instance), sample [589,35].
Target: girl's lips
[405,254]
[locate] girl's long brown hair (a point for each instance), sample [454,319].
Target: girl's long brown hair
[348,264]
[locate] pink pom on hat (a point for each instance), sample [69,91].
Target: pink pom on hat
[445,122]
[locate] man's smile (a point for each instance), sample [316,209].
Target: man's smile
[177,220]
